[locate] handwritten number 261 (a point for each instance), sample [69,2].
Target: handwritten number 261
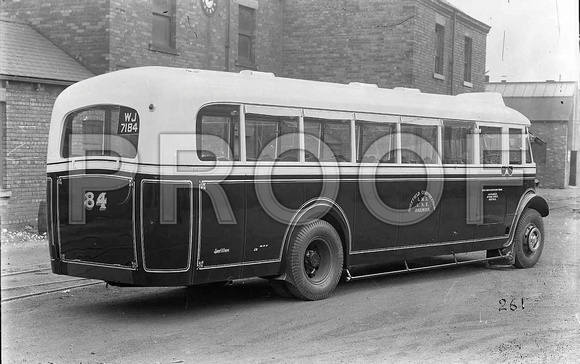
[513,306]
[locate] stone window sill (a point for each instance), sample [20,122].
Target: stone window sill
[467,84]
[438,76]
[163,49]
[246,64]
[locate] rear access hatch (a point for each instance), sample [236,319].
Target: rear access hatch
[96,219]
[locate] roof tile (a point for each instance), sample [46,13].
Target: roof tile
[26,53]
[533,89]
[538,101]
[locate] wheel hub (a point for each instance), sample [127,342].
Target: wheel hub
[533,238]
[311,262]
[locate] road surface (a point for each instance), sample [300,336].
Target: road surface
[461,314]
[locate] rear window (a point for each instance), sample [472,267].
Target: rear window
[106,130]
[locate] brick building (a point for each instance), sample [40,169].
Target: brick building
[33,72]
[552,108]
[108,35]
[424,44]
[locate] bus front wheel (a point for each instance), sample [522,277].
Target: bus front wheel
[529,239]
[314,262]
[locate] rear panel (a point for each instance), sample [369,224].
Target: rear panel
[96,220]
[166,223]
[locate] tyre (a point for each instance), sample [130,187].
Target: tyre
[314,261]
[529,239]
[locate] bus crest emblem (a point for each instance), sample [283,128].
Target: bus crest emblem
[422,202]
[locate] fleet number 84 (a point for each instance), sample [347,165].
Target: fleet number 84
[101,201]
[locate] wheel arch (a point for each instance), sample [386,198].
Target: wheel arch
[539,204]
[531,200]
[319,209]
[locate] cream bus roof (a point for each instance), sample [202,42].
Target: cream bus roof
[167,100]
[198,87]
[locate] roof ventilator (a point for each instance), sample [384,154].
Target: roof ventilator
[407,89]
[366,85]
[257,73]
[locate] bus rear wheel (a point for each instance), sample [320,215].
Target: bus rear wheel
[529,239]
[314,262]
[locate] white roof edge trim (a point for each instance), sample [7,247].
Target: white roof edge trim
[359,116]
[328,114]
[274,111]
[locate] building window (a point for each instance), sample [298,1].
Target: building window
[467,60]
[163,29]
[439,46]
[246,36]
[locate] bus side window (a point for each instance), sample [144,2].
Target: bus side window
[289,143]
[528,147]
[218,133]
[490,145]
[515,140]
[266,140]
[419,143]
[335,135]
[457,142]
[375,142]
[312,138]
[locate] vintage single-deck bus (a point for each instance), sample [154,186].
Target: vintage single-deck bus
[180,177]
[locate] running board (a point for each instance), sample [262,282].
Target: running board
[349,277]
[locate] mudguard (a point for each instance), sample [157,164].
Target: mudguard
[532,200]
[319,208]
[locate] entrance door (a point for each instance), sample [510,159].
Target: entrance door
[491,184]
